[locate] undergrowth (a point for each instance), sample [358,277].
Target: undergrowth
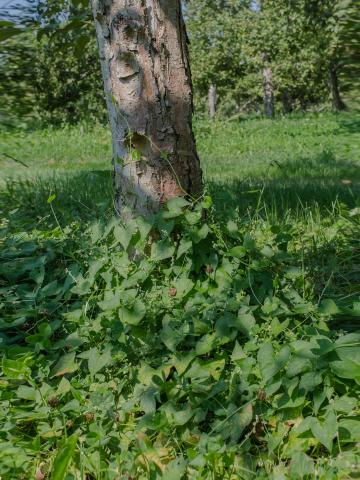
[180,348]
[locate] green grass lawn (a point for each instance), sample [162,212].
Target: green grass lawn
[288,163]
[228,348]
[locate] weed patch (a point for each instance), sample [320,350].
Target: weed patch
[175,348]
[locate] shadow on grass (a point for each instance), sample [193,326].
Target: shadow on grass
[295,184]
[349,125]
[83,195]
[277,197]
[55,199]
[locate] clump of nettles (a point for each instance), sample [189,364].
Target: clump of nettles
[172,348]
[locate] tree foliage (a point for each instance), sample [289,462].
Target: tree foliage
[51,70]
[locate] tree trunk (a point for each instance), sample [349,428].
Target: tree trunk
[337,102]
[212,101]
[286,103]
[147,82]
[268,89]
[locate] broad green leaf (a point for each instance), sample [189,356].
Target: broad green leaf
[175,470]
[134,314]
[63,458]
[328,307]
[148,401]
[63,387]
[183,286]
[123,235]
[345,404]
[346,368]
[301,466]
[325,431]
[112,300]
[249,242]
[309,381]
[175,207]
[172,334]
[16,369]
[97,361]
[239,422]
[184,247]
[206,344]
[245,322]
[270,364]
[27,393]
[181,362]
[161,250]
[237,252]
[238,353]
[198,234]
[65,364]
[349,430]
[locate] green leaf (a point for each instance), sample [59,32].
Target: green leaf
[270,364]
[183,286]
[175,207]
[175,469]
[161,250]
[184,247]
[249,242]
[349,430]
[301,466]
[63,387]
[97,361]
[65,364]
[27,393]
[328,307]
[239,422]
[346,368]
[309,381]
[148,401]
[16,369]
[123,235]
[238,353]
[134,314]
[51,198]
[245,322]
[237,252]
[325,432]
[171,335]
[198,234]
[206,344]
[63,458]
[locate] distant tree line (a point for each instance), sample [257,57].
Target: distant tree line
[264,56]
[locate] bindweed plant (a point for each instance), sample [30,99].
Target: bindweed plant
[174,347]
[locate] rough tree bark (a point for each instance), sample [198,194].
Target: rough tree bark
[212,101]
[268,88]
[337,102]
[147,82]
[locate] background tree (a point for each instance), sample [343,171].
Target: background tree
[49,73]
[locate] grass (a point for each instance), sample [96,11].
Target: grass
[293,161]
[231,352]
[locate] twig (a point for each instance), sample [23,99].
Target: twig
[15,159]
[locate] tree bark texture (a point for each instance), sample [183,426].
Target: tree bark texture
[212,101]
[147,82]
[337,102]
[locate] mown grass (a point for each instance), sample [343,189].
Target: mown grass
[294,161]
[108,372]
